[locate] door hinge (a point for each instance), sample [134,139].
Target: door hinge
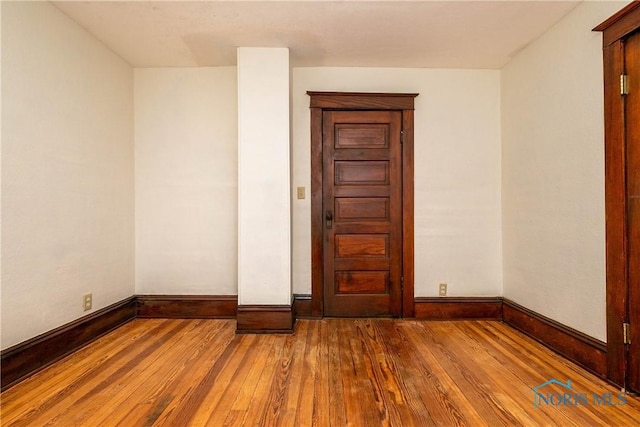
[402,281]
[401,137]
[626,334]
[624,84]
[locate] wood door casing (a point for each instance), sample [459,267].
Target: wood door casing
[352,101]
[621,191]
[362,194]
[632,70]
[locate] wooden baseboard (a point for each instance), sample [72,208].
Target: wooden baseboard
[187,306]
[30,356]
[576,346]
[452,308]
[26,358]
[302,307]
[264,319]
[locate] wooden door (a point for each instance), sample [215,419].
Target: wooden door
[621,58]
[632,66]
[362,204]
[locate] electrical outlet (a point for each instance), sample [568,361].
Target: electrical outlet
[301,193]
[442,290]
[87,300]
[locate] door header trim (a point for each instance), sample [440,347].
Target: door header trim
[362,100]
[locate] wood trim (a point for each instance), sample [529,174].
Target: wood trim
[616,212]
[576,346]
[28,357]
[317,252]
[614,30]
[362,101]
[187,306]
[451,308]
[368,101]
[620,24]
[408,306]
[302,307]
[264,319]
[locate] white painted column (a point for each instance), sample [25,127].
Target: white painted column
[264,236]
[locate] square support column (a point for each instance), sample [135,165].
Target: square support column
[264,201]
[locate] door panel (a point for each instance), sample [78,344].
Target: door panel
[362,202]
[632,65]
[362,209]
[362,246]
[361,173]
[370,282]
[350,135]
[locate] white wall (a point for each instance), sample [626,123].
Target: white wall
[264,208]
[67,171]
[185,153]
[457,172]
[186,181]
[68,174]
[553,173]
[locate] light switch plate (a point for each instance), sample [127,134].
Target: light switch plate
[300,192]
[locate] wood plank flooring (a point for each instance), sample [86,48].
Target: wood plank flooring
[331,372]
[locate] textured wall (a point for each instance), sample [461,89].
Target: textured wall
[186,181]
[67,171]
[457,172]
[553,173]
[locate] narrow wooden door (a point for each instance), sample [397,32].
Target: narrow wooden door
[621,59]
[362,208]
[632,66]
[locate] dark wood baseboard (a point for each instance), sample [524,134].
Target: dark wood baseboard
[264,319]
[187,306]
[26,358]
[30,356]
[302,307]
[576,346]
[452,308]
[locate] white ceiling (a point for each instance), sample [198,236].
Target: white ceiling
[434,34]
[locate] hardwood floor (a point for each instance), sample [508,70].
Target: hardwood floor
[331,372]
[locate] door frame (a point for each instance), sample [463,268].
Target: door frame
[350,101]
[615,30]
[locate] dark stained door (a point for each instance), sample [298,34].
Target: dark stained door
[632,65]
[362,203]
